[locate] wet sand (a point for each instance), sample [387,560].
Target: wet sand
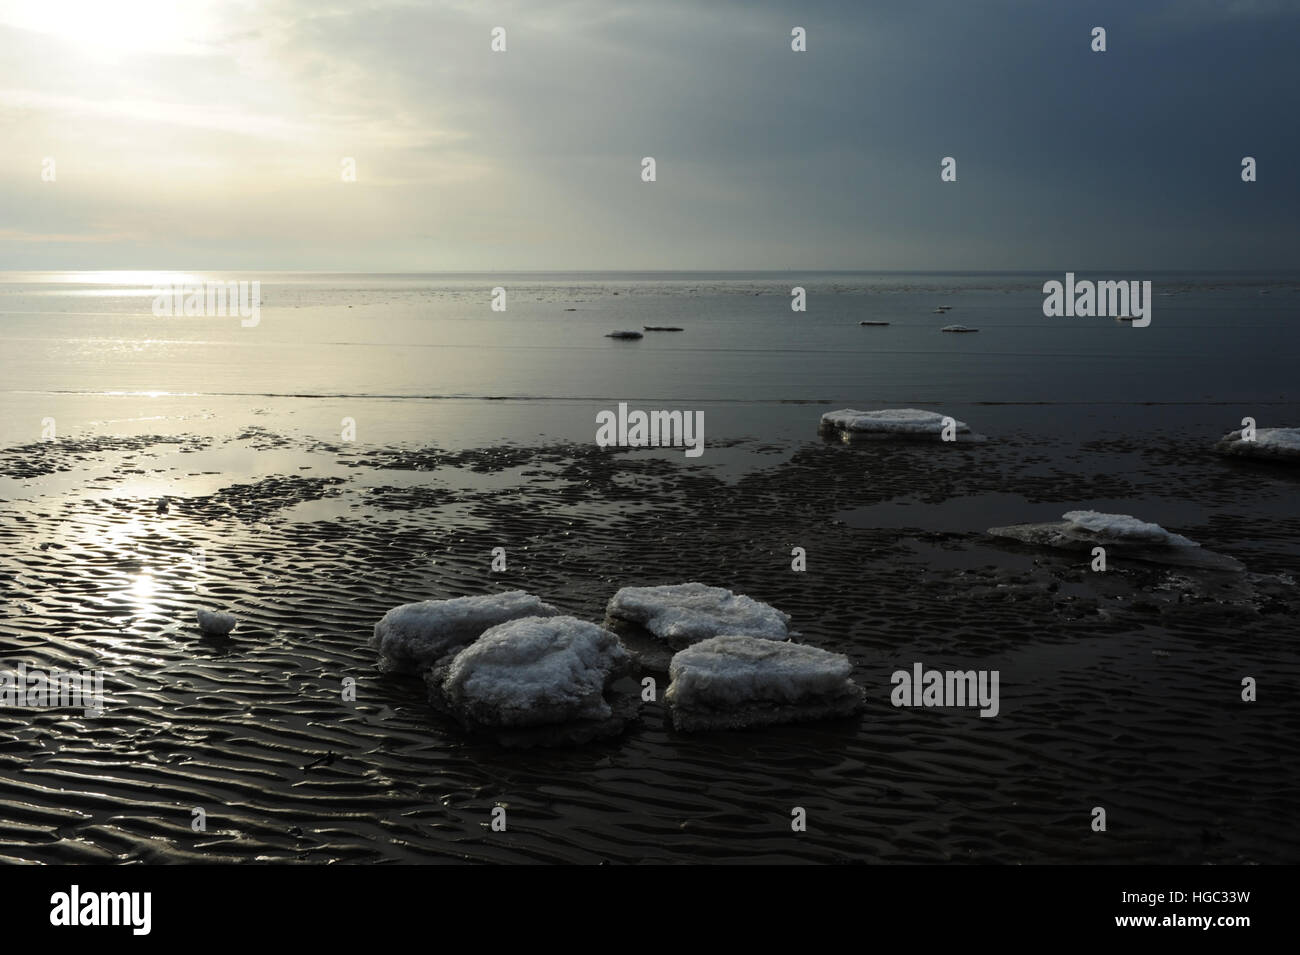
[1119,690]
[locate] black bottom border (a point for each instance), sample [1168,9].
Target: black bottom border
[331,904]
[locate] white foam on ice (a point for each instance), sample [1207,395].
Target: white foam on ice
[534,671]
[682,614]
[734,681]
[216,622]
[1123,527]
[415,636]
[889,421]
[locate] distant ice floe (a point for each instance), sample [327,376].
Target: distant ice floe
[415,636]
[682,614]
[542,680]
[215,622]
[1270,444]
[1126,535]
[892,424]
[729,682]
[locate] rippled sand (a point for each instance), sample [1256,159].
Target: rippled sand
[1121,691]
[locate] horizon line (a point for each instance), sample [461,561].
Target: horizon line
[717,271]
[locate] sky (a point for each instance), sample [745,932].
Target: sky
[211,134]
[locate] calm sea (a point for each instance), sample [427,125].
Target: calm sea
[417,355]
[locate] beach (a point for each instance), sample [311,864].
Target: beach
[240,489]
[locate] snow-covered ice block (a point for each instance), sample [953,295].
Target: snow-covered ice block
[1124,534]
[415,636]
[537,672]
[682,614]
[892,423]
[1123,527]
[1270,444]
[215,622]
[729,682]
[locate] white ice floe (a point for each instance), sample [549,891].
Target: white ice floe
[889,421]
[414,636]
[535,671]
[1123,534]
[1124,527]
[728,682]
[682,614]
[1274,444]
[215,622]
[893,424]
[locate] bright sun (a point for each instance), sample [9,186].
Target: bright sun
[115,27]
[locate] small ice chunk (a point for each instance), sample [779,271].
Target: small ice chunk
[534,671]
[215,622]
[682,614]
[729,682]
[1273,444]
[1124,527]
[414,636]
[1281,438]
[1126,535]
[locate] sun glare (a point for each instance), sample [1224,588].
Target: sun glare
[145,278]
[117,27]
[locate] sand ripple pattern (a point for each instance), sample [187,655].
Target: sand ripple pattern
[1122,692]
